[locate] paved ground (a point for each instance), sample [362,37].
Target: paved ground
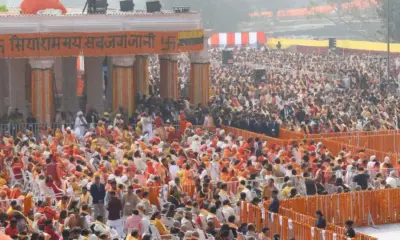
[382,232]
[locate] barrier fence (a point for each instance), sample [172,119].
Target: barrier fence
[381,141]
[288,134]
[309,220]
[285,226]
[247,134]
[380,206]
[36,128]
[334,146]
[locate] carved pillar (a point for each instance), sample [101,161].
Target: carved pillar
[94,78]
[142,75]
[16,79]
[169,76]
[42,93]
[199,85]
[70,84]
[123,84]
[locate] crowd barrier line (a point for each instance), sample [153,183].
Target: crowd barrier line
[333,146]
[287,226]
[248,134]
[381,142]
[381,206]
[288,134]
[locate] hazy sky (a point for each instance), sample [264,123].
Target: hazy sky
[139,4]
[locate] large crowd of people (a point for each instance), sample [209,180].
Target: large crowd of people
[171,171]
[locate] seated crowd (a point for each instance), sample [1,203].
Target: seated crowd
[145,178]
[116,181]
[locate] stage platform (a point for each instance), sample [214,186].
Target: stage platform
[382,232]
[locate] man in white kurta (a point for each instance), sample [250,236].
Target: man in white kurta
[80,125]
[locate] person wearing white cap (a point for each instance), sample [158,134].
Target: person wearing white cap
[147,125]
[386,166]
[118,120]
[391,180]
[80,125]
[371,163]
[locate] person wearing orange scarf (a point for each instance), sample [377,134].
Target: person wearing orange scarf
[100,129]
[188,175]
[150,170]
[85,198]
[225,174]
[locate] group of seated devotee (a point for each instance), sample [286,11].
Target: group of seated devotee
[171,171]
[306,92]
[156,181]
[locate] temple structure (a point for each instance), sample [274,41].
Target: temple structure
[38,53]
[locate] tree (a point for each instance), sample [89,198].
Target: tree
[391,9]
[3,8]
[220,15]
[354,15]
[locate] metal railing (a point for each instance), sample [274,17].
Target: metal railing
[12,129]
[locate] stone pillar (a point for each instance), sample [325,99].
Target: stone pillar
[169,76]
[58,75]
[199,82]
[70,84]
[142,75]
[16,79]
[109,89]
[3,80]
[123,84]
[42,89]
[94,78]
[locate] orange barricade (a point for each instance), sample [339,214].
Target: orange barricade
[308,220]
[190,190]
[247,134]
[382,206]
[381,142]
[334,146]
[243,212]
[287,134]
[289,224]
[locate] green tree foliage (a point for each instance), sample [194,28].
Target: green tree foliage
[3,8]
[390,8]
[220,15]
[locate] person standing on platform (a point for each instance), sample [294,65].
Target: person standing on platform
[350,233]
[320,222]
[274,205]
[80,125]
[98,192]
[114,208]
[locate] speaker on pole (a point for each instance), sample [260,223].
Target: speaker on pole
[260,75]
[126,5]
[153,6]
[227,57]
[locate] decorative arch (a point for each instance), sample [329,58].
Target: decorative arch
[35,6]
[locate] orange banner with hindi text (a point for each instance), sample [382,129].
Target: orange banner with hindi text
[99,43]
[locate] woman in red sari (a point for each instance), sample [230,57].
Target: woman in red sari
[150,168]
[50,183]
[17,167]
[163,171]
[188,175]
